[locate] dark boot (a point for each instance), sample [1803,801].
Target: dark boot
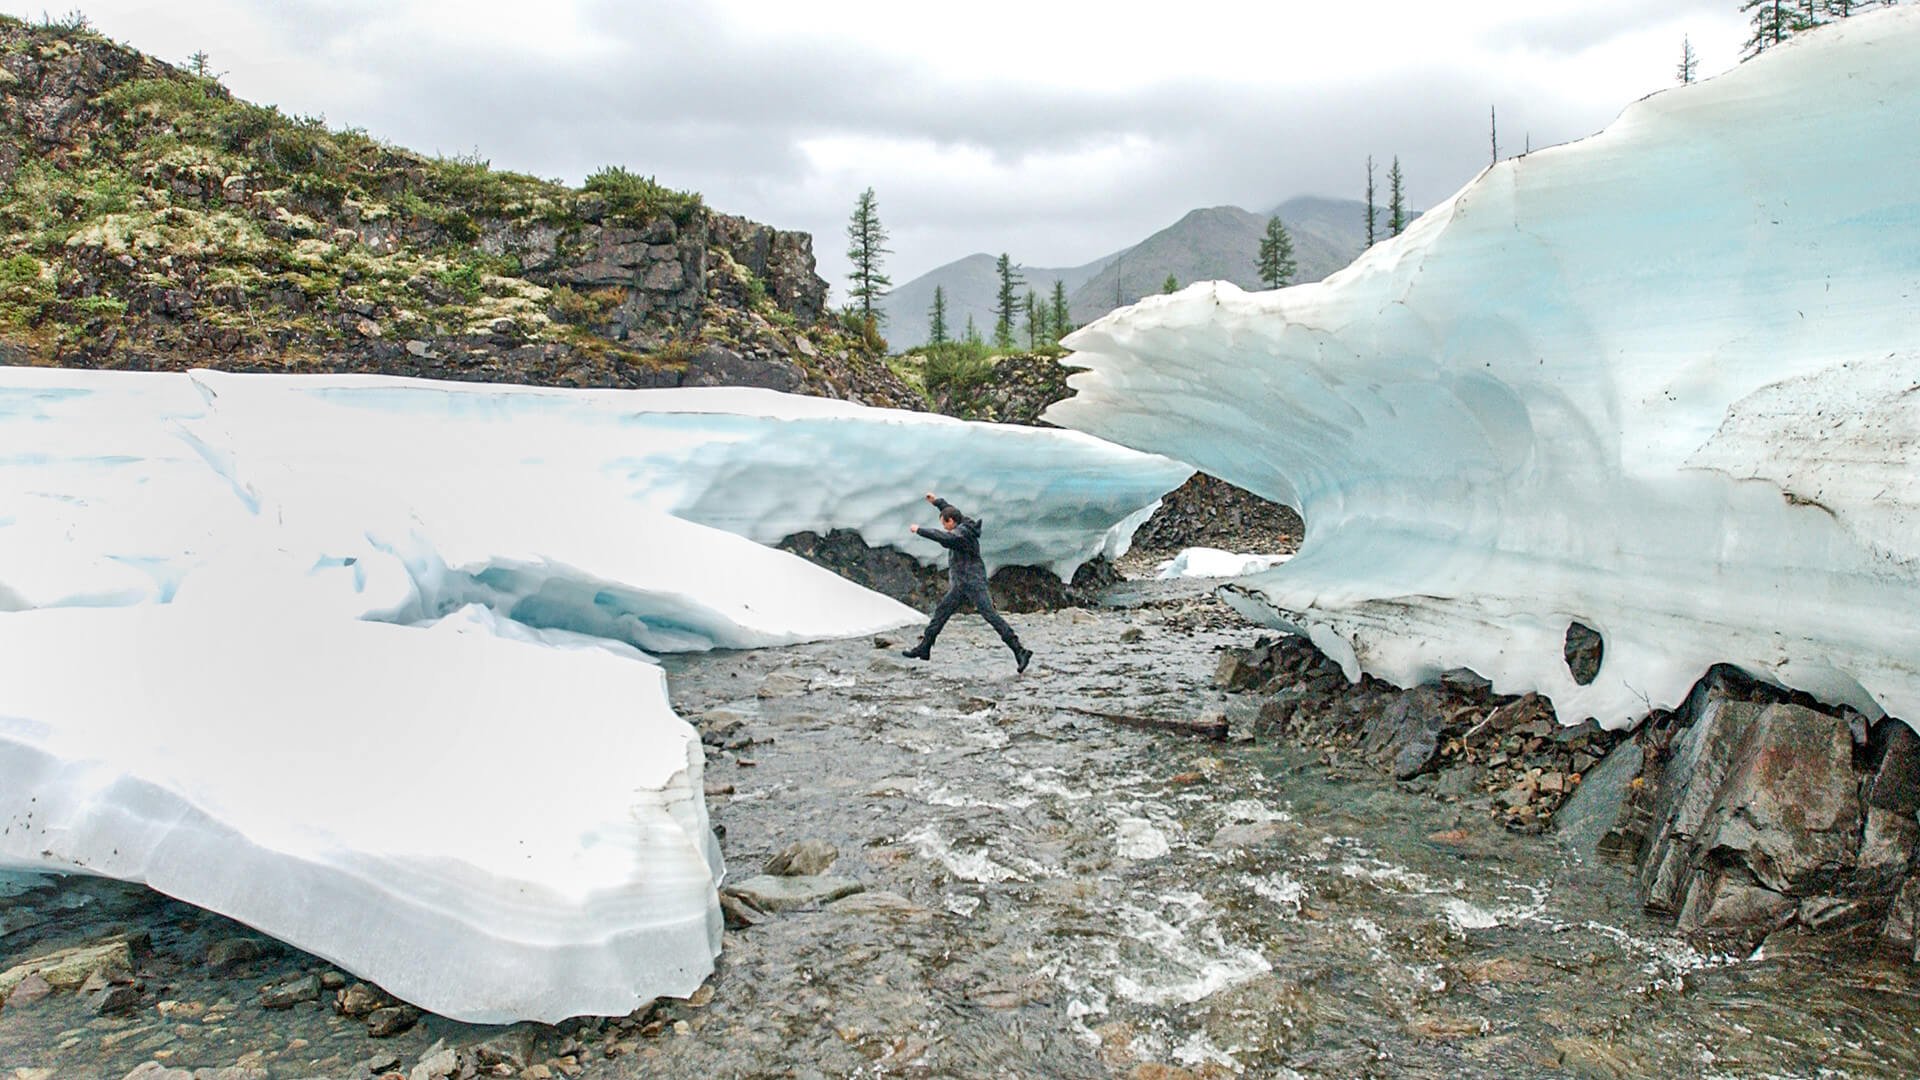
[1021,654]
[918,652]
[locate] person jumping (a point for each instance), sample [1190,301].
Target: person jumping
[966,582]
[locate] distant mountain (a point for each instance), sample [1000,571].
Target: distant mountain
[972,287]
[1215,244]
[1220,244]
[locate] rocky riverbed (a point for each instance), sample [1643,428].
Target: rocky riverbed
[946,869]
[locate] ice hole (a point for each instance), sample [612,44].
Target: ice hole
[1584,651]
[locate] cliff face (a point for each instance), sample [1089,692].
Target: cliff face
[151,220]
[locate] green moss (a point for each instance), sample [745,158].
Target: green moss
[25,290]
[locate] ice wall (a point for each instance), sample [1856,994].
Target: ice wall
[494,830]
[756,463]
[1664,381]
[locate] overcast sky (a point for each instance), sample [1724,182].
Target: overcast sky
[1056,132]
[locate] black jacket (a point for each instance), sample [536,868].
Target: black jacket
[965,570]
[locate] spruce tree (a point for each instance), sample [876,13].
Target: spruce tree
[937,330]
[1036,316]
[1275,263]
[1062,322]
[866,244]
[1372,213]
[1689,64]
[1396,200]
[972,336]
[1774,21]
[1006,303]
[1171,285]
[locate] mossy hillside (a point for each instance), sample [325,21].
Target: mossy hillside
[150,218]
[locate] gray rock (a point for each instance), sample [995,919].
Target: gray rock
[1902,928]
[1725,900]
[783,684]
[1594,807]
[114,999]
[229,953]
[153,1070]
[802,859]
[512,1047]
[1886,850]
[769,893]
[1752,798]
[1896,781]
[287,993]
[438,1064]
[391,1020]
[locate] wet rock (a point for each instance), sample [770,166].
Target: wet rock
[1887,848]
[783,684]
[114,999]
[512,1048]
[880,902]
[1902,927]
[1590,813]
[153,1070]
[287,993]
[1758,804]
[381,1063]
[391,1020]
[68,969]
[359,1000]
[229,953]
[438,1064]
[802,859]
[1246,834]
[1243,670]
[769,893]
[1896,780]
[1131,635]
[1725,899]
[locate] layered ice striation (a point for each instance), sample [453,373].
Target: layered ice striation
[494,830]
[756,463]
[202,581]
[1663,381]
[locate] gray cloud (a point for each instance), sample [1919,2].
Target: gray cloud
[677,91]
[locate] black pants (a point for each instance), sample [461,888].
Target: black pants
[981,601]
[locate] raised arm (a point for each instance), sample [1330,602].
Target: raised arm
[939,536]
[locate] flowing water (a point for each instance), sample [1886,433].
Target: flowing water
[1052,893]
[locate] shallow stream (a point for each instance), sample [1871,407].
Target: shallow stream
[1052,893]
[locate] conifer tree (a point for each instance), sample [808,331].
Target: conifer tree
[1372,213]
[1171,285]
[972,336]
[1774,21]
[1689,64]
[1275,263]
[937,330]
[1036,318]
[1396,200]
[1062,321]
[1493,132]
[866,244]
[1006,303]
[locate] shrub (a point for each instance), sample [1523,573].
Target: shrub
[955,368]
[24,291]
[634,200]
